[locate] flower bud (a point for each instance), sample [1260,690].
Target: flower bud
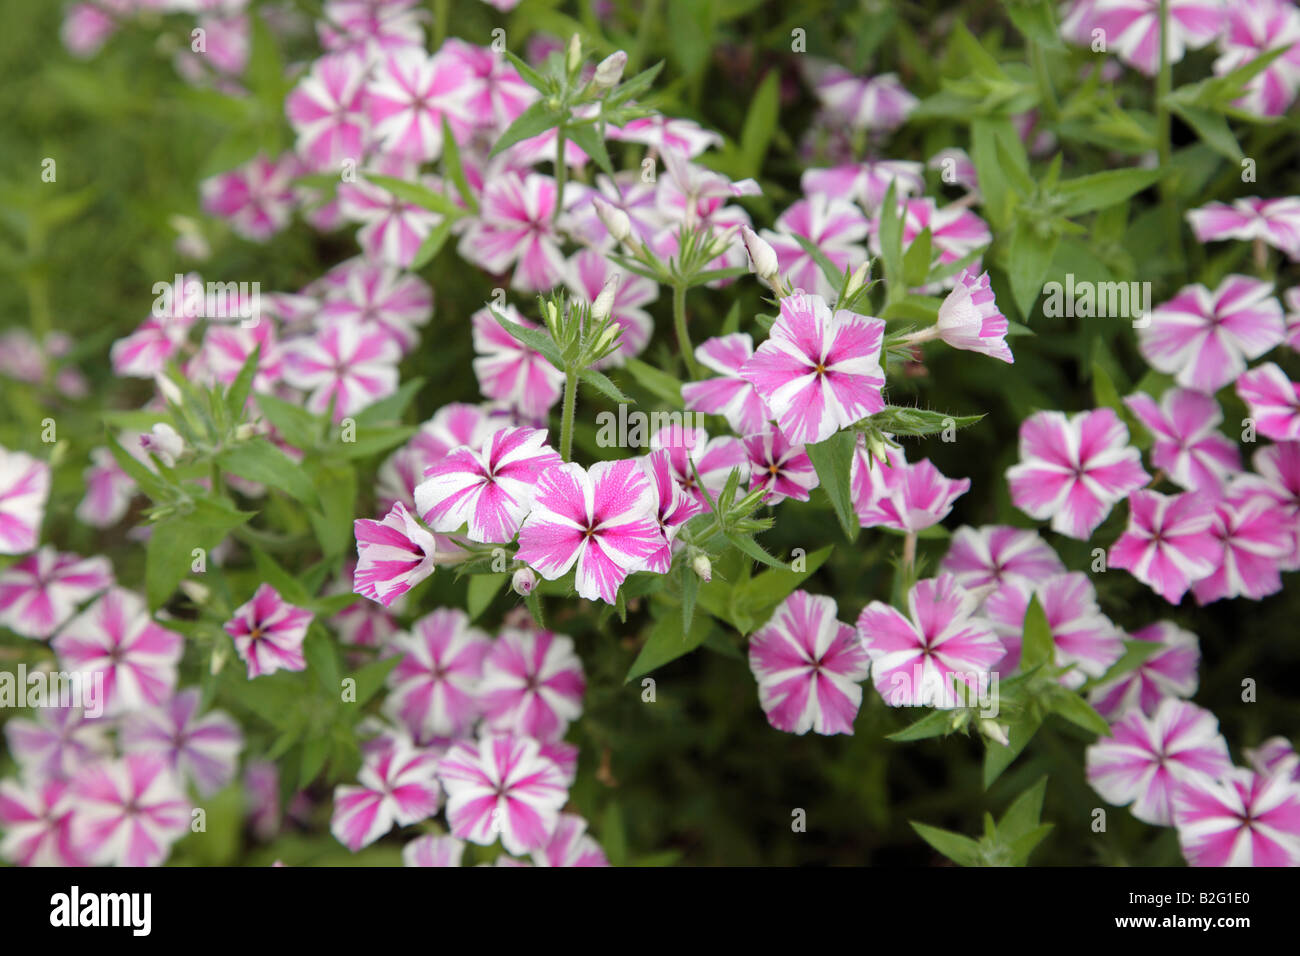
[164,442]
[523,582]
[995,731]
[610,70]
[701,565]
[603,307]
[574,58]
[613,218]
[762,257]
[857,280]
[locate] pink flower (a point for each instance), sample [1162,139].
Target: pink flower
[55,745]
[532,684]
[729,395]
[1167,544]
[674,507]
[905,496]
[1274,402]
[128,812]
[1188,445]
[510,372]
[145,352]
[370,27]
[867,182]
[999,554]
[409,96]
[1169,672]
[24,490]
[37,822]
[1242,819]
[202,749]
[514,228]
[1275,756]
[809,667]
[501,786]
[226,348]
[1073,470]
[955,232]
[667,134]
[43,590]
[1132,28]
[1083,637]
[916,660]
[1253,28]
[451,426]
[600,520]
[691,451]
[268,632]
[497,94]
[624,194]
[431,850]
[835,226]
[109,491]
[116,637]
[874,102]
[1277,478]
[489,489]
[398,302]
[571,845]
[345,365]
[396,786]
[1275,221]
[255,198]
[1204,338]
[326,111]
[588,271]
[969,318]
[86,28]
[434,688]
[393,229]
[818,371]
[1253,537]
[393,555]
[781,469]
[1146,759]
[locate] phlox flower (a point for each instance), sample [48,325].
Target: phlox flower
[501,786]
[809,667]
[532,684]
[488,489]
[1253,537]
[409,96]
[109,489]
[1074,470]
[874,102]
[362,623]
[1274,402]
[398,302]
[256,198]
[346,365]
[835,226]
[691,451]
[1277,478]
[691,197]
[86,27]
[514,228]
[667,134]
[145,352]
[905,496]
[327,111]
[1242,819]
[1083,638]
[1253,28]
[433,850]
[1132,28]
[1274,221]
[917,659]
[866,183]
[56,743]
[509,371]
[1169,672]
[819,371]
[37,822]
[268,632]
[627,194]
[1188,445]
[451,426]
[728,395]
[393,555]
[1292,319]
[674,507]
[128,812]
[202,749]
[393,229]
[601,521]
[997,554]
[496,93]
[781,469]
[587,273]
[1167,544]
[434,689]
[1204,338]
[1275,756]
[225,349]
[956,168]
[370,27]
[396,786]
[955,232]
[969,318]
[117,638]
[40,592]
[571,845]
[1145,760]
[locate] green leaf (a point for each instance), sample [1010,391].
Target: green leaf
[1037,647]
[1211,127]
[1135,654]
[1023,815]
[957,847]
[690,592]
[391,408]
[760,122]
[1029,257]
[903,420]
[370,678]
[482,589]
[258,460]
[936,723]
[322,656]
[998,757]
[761,594]
[1036,21]
[751,547]
[314,751]
[603,384]
[667,642]
[589,139]
[828,269]
[534,121]
[417,194]
[289,587]
[1089,193]
[833,461]
[535,339]
[431,246]
[336,486]
[916,261]
[660,383]
[455,170]
[1079,712]
[172,541]
[891,244]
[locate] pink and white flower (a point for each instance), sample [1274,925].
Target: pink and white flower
[1146,759]
[488,489]
[905,496]
[268,632]
[256,198]
[128,812]
[496,94]
[397,786]
[59,742]
[1274,221]
[145,352]
[867,182]
[1253,537]
[40,592]
[728,395]
[434,690]
[433,850]
[370,27]
[955,232]
[588,272]
[109,491]
[819,371]
[24,491]
[1277,478]
[1274,402]
[327,111]
[117,638]
[781,469]
[393,229]
[1254,27]
[1169,672]
[692,452]
[667,134]
[532,684]
[1243,819]
[969,318]
[514,228]
[571,845]
[508,371]
[1132,28]
[398,302]
[999,554]
[835,226]
[344,365]
[409,96]
[502,787]
[872,102]
[202,749]
[1188,446]
[1168,544]
[601,521]
[37,822]
[1073,470]
[916,660]
[393,555]
[674,507]
[1204,338]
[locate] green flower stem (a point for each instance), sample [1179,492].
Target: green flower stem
[566,422]
[683,335]
[561,171]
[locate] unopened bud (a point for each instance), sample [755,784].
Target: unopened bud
[701,565]
[762,257]
[610,70]
[603,307]
[195,591]
[523,582]
[169,390]
[613,218]
[995,731]
[165,442]
[574,58]
[857,280]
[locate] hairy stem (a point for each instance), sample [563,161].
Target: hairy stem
[566,422]
[683,335]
